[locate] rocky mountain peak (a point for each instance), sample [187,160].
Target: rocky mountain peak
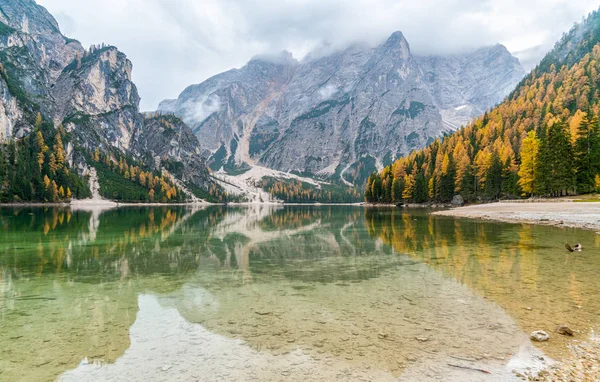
[27,17]
[340,114]
[396,45]
[281,58]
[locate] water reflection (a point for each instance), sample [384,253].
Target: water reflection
[523,268]
[370,292]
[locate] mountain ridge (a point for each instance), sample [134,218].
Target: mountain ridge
[334,116]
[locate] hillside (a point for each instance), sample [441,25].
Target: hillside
[542,140]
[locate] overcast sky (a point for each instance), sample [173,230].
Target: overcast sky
[175,43]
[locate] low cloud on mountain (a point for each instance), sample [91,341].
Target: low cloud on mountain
[177,42]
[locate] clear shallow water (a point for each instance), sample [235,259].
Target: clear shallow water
[291,293]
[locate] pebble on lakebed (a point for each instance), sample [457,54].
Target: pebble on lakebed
[564,330]
[539,336]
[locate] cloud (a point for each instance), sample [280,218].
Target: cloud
[175,43]
[196,111]
[327,91]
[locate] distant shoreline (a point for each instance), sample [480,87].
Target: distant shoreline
[112,204]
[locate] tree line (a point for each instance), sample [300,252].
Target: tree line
[295,191]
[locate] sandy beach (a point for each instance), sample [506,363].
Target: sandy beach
[563,213]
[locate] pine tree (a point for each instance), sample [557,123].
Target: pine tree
[409,187]
[587,153]
[397,189]
[53,192]
[447,182]
[493,178]
[38,121]
[529,162]
[420,193]
[40,147]
[556,170]
[376,188]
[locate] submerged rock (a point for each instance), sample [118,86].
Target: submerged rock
[540,336]
[564,330]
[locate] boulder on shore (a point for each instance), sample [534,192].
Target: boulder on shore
[458,201]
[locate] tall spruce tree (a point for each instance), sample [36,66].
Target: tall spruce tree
[376,188]
[447,180]
[369,189]
[493,178]
[556,169]
[397,189]
[587,153]
[420,193]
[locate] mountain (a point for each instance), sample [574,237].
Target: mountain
[474,81]
[543,139]
[342,115]
[50,81]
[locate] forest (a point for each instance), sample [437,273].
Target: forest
[543,140]
[129,181]
[34,168]
[295,191]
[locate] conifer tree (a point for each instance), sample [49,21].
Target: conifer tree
[587,153]
[420,192]
[493,178]
[397,189]
[376,188]
[529,162]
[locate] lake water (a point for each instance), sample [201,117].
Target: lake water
[285,293]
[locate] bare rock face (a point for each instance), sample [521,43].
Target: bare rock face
[89,92]
[343,115]
[172,145]
[95,92]
[32,54]
[466,85]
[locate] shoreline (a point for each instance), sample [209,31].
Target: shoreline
[112,204]
[557,213]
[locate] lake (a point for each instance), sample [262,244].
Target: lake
[285,293]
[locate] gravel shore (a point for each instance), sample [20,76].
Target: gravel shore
[567,214]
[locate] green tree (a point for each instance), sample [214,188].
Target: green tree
[447,180]
[587,153]
[493,178]
[369,190]
[397,189]
[559,155]
[376,188]
[420,193]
